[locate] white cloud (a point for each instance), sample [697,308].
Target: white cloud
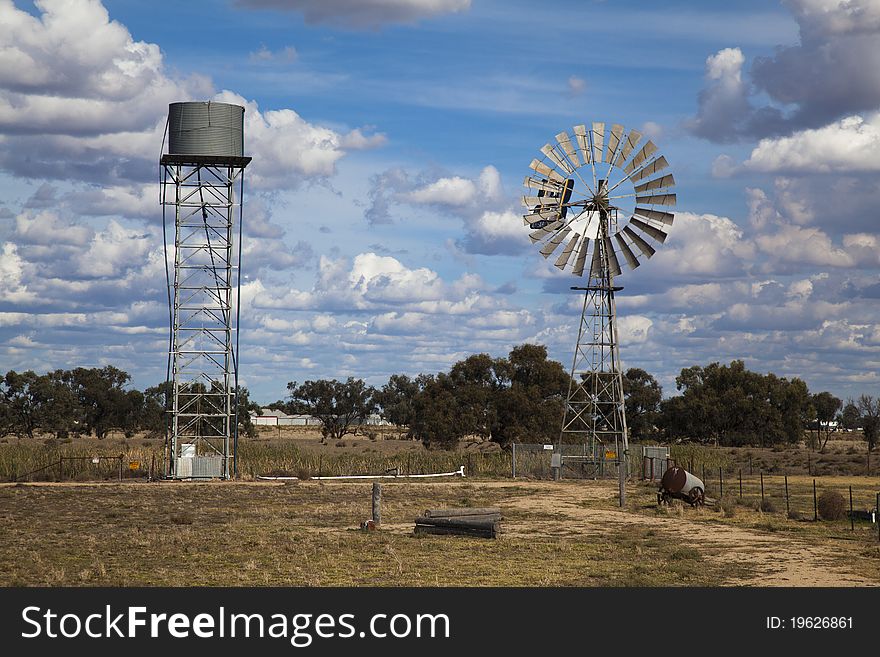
[46,228]
[114,251]
[12,287]
[576,86]
[283,143]
[362,14]
[849,145]
[701,245]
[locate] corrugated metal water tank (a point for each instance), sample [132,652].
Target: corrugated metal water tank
[205,128]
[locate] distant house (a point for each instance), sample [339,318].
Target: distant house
[268,417]
[375,420]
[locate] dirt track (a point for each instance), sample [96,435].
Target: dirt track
[780,560]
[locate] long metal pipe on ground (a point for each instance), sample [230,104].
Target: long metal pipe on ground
[459,472]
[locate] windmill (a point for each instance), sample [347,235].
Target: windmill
[599,196]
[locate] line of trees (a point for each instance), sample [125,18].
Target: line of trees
[86,401]
[521,398]
[518,398]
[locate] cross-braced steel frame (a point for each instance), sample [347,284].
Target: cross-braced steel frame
[205,193]
[594,409]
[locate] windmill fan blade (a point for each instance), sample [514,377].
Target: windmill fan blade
[580,135]
[627,252]
[657,215]
[596,262]
[541,233]
[562,260]
[543,184]
[644,153]
[543,201]
[578,269]
[657,183]
[551,246]
[541,215]
[650,169]
[648,229]
[570,151]
[628,144]
[661,199]
[646,249]
[550,152]
[598,141]
[613,142]
[613,265]
[543,169]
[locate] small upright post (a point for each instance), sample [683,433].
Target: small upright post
[815,503]
[852,525]
[377,503]
[720,482]
[513,460]
[787,509]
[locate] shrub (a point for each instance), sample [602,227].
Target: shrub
[182,518]
[685,554]
[728,505]
[767,506]
[831,505]
[794,515]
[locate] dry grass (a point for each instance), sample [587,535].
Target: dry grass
[305,534]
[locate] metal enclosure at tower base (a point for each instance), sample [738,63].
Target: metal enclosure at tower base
[203,182]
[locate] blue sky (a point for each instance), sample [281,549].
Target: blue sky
[390,140]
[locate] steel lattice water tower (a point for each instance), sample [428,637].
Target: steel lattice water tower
[203,182]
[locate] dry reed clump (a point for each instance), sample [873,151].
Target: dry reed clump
[728,506]
[831,505]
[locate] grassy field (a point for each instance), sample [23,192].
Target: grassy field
[307,533]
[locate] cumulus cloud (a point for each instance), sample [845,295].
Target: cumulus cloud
[829,74]
[362,14]
[849,145]
[703,245]
[284,143]
[88,102]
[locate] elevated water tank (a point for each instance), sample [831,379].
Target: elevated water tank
[206,128]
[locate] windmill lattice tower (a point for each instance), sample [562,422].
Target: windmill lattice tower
[581,191]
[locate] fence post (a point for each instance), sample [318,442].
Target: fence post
[377,503]
[120,467]
[852,524]
[740,483]
[762,489]
[513,460]
[787,509]
[815,503]
[750,465]
[60,468]
[809,465]
[720,482]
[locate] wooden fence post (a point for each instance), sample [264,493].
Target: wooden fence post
[513,460]
[720,482]
[740,483]
[762,489]
[852,524]
[815,503]
[377,503]
[787,509]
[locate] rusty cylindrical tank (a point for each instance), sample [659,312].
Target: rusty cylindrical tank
[679,483]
